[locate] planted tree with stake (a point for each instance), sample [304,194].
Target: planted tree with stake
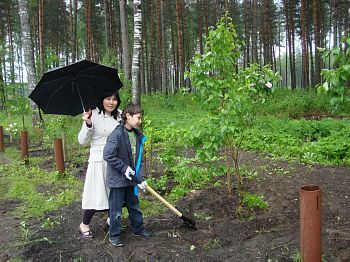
[229,94]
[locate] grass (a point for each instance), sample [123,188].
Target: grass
[279,130]
[39,191]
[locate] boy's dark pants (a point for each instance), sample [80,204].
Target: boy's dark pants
[117,197]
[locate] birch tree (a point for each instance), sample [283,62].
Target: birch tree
[41,37]
[136,53]
[28,50]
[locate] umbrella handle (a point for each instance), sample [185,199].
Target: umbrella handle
[81,101]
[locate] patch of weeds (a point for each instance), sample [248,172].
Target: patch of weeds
[254,201]
[296,256]
[173,234]
[50,222]
[217,184]
[150,208]
[3,187]
[23,184]
[202,216]
[178,192]
[13,153]
[280,171]
[248,174]
[25,231]
[79,259]
[212,244]
[161,183]
[15,260]
[270,230]
[249,204]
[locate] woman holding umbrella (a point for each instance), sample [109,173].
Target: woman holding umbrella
[97,126]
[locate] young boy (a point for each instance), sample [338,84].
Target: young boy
[125,171]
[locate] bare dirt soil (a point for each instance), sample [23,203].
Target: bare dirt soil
[222,235]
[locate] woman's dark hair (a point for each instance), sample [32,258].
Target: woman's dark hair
[115,112]
[132,109]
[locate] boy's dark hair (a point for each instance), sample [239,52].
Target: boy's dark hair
[132,109]
[115,112]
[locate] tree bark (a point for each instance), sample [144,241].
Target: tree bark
[11,53]
[136,53]
[316,23]
[41,37]
[163,43]
[28,52]
[89,52]
[200,25]
[125,42]
[180,42]
[74,31]
[305,55]
[255,18]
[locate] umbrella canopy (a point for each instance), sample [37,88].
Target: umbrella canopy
[73,89]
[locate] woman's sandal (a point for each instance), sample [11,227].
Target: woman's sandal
[86,234]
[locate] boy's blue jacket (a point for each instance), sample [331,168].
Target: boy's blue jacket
[118,155]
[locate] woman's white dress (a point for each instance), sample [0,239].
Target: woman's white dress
[95,194]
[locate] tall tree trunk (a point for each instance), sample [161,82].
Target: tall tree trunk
[305,55]
[74,30]
[11,53]
[41,37]
[316,22]
[112,28]
[292,54]
[265,35]
[206,16]
[28,51]
[136,53]
[146,47]
[2,84]
[174,53]
[200,25]
[255,32]
[163,43]
[335,5]
[89,52]
[159,44]
[107,25]
[143,57]
[247,33]
[152,49]
[180,42]
[125,42]
[289,7]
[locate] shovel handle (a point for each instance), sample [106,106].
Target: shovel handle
[166,203]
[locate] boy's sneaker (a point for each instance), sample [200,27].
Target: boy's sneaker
[116,242]
[143,233]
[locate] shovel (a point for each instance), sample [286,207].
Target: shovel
[188,221]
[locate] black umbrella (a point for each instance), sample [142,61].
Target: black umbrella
[72,89]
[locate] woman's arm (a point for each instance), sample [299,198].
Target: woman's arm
[84,136]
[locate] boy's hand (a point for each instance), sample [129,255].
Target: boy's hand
[143,185]
[129,173]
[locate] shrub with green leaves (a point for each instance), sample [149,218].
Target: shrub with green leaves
[337,79]
[228,94]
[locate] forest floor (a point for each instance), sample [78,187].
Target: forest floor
[222,235]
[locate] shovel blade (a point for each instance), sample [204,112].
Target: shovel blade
[189,222]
